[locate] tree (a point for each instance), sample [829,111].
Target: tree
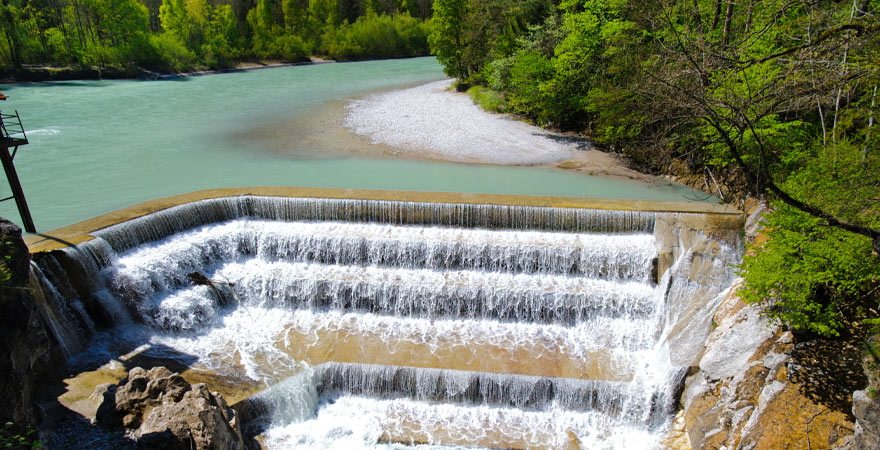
[10,18]
[752,90]
[782,97]
[446,36]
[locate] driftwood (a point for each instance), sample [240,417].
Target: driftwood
[199,279]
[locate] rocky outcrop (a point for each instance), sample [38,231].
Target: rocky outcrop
[163,411]
[748,392]
[28,350]
[867,413]
[866,403]
[744,397]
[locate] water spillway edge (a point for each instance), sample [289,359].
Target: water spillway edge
[81,231]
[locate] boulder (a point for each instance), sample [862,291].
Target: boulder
[163,411]
[867,413]
[866,403]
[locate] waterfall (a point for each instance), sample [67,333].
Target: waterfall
[548,326]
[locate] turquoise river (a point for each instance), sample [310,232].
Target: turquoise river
[97,146]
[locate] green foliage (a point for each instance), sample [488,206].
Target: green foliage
[778,95]
[5,273]
[375,36]
[17,437]
[168,53]
[807,274]
[488,99]
[198,34]
[528,85]
[469,34]
[812,276]
[446,37]
[295,14]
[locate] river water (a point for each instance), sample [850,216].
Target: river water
[97,146]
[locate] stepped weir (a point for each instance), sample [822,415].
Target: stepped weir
[372,318]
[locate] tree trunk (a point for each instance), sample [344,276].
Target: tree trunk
[749,15]
[842,74]
[728,17]
[10,30]
[717,15]
[870,125]
[697,18]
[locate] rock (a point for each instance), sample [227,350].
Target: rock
[106,413]
[28,350]
[200,418]
[734,342]
[742,397]
[867,413]
[164,412]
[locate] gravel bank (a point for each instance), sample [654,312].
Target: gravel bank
[430,121]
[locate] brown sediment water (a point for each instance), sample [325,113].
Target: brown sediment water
[350,343]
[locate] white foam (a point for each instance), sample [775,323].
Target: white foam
[51,131]
[354,422]
[450,126]
[256,338]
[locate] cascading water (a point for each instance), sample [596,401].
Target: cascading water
[382,321]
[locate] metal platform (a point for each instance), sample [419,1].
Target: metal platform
[11,131]
[12,136]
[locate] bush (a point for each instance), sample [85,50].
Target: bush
[288,48]
[170,54]
[808,275]
[488,99]
[17,437]
[373,36]
[528,76]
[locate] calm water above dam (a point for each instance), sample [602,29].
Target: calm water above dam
[96,146]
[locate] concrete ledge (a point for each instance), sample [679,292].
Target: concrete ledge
[81,231]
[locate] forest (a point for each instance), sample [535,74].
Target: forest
[774,99]
[182,35]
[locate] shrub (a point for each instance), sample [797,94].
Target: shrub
[373,36]
[170,54]
[16,437]
[488,99]
[809,275]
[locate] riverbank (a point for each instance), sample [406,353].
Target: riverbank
[37,73]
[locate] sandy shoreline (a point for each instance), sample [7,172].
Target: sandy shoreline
[428,122]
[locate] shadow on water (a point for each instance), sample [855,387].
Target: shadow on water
[49,84]
[176,78]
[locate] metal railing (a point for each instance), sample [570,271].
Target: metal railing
[11,128]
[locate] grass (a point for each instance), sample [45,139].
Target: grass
[492,101]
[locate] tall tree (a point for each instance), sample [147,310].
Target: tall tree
[446,37]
